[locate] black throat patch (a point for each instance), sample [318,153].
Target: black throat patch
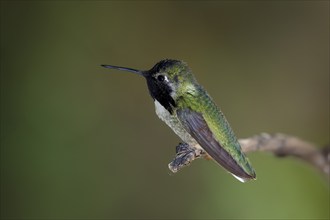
[161,89]
[162,93]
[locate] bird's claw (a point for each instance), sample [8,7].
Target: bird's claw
[184,156]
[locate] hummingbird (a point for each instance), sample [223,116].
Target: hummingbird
[185,106]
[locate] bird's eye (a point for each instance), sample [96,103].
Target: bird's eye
[160,78]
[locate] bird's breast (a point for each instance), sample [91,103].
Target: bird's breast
[173,122]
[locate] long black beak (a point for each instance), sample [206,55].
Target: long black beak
[139,72]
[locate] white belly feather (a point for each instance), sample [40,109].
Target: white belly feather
[173,122]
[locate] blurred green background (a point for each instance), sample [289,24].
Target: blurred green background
[80,141]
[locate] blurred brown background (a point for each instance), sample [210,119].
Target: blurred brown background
[80,141]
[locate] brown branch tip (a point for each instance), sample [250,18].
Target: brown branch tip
[283,145]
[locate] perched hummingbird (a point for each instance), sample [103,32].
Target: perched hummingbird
[190,112]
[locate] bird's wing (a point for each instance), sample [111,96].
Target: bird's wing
[198,128]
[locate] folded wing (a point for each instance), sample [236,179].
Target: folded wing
[198,128]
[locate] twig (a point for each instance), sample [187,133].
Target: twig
[283,145]
[280,145]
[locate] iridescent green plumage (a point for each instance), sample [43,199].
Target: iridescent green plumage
[199,101]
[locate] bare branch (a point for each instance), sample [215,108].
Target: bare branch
[280,145]
[284,145]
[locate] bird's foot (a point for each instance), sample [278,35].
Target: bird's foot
[185,154]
